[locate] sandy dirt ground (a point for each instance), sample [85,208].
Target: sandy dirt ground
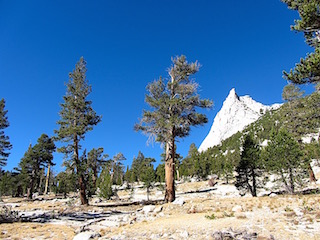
[199,212]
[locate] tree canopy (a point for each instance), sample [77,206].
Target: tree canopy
[308,69]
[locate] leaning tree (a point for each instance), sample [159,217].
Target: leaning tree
[173,103]
[77,117]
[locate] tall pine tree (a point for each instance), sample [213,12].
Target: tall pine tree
[5,144]
[248,169]
[77,118]
[173,102]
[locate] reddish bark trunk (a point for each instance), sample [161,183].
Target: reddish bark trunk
[311,174]
[83,195]
[170,195]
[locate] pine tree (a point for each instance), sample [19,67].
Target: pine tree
[188,164]
[284,157]
[291,93]
[96,159]
[65,183]
[5,144]
[148,175]
[35,160]
[77,118]
[105,183]
[137,165]
[174,112]
[308,70]
[160,173]
[117,168]
[248,169]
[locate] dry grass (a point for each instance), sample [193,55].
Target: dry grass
[35,231]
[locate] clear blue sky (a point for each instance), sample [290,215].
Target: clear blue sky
[127,44]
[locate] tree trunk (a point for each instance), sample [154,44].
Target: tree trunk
[284,181]
[94,177]
[83,195]
[40,179]
[82,184]
[291,181]
[311,174]
[254,183]
[47,181]
[169,173]
[31,185]
[148,193]
[178,175]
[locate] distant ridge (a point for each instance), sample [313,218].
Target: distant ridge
[236,113]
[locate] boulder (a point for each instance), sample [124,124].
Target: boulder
[147,209]
[178,201]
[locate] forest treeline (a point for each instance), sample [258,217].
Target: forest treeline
[273,145]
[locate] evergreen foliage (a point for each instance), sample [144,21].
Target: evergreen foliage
[11,184]
[5,144]
[160,173]
[291,92]
[249,167]
[35,160]
[308,69]
[6,184]
[148,175]
[117,169]
[65,182]
[96,160]
[283,156]
[105,184]
[173,102]
[137,166]
[77,117]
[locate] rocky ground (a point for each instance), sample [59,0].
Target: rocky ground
[199,212]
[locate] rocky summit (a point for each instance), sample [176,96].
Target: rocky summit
[236,113]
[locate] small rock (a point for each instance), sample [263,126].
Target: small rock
[192,209]
[272,195]
[178,201]
[237,208]
[212,182]
[86,235]
[184,234]
[148,209]
[161,214]
[158,209]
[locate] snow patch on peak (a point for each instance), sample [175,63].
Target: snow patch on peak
[236,113]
